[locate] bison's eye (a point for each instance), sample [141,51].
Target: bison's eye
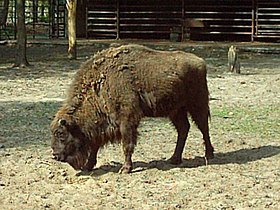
[61,136]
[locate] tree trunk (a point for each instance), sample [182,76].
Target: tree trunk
[21,60]
[4,13]
[72,42]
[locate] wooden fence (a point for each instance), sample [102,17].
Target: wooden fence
[178,20]
[160,19]
[267,19]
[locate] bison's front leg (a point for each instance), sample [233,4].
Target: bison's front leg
[129,136]
[127,166]
[91,160]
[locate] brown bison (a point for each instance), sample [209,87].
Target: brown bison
[115,89]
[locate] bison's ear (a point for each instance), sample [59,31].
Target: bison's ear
[62,122]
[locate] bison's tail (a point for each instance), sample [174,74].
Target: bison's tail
[199,109]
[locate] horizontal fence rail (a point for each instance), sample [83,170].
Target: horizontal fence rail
[183,20]
[267,19]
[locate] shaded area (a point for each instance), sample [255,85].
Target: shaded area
[45,60]
[39,70]
[25,123]
[241,156]
[48,51]
[44,54]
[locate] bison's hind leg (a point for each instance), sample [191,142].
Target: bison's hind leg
[182,125]
[201,120]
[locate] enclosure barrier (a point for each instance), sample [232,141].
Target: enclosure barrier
[178,20]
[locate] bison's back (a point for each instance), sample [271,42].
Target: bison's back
[166,80]
[139,78]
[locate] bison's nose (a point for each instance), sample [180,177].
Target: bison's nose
[59,157]
[55,156]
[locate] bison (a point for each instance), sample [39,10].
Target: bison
[112,91]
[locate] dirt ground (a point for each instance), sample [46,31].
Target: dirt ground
[245,131]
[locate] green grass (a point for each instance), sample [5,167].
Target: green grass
[28,123]
[258,121]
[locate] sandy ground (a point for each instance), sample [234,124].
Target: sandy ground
[245,174]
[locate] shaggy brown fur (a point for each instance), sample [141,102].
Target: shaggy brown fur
[116,88]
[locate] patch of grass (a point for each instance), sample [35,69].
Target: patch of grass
[256,121]
[28,123]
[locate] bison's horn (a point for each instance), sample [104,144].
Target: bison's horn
[62,122]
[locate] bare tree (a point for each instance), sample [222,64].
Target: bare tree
[4,12]
[21,60]
[72,41]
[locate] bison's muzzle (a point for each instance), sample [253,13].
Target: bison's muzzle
[59,156]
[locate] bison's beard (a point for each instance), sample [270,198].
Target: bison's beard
[79,159]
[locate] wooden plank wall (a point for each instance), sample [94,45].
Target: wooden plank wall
[267,19]
[150,19]
[240,20]
[102,19]
[224,19]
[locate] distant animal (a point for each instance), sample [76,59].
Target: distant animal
[194,23]
[233,60]
[190,24]
[115,89]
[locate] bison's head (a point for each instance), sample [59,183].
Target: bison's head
[70,145]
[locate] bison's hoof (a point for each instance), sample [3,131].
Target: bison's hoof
[87,168]
[209,155]
[125,169]
[175,160]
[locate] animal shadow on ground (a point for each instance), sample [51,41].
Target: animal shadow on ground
[241,156]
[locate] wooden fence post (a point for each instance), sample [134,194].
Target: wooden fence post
[72,40]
